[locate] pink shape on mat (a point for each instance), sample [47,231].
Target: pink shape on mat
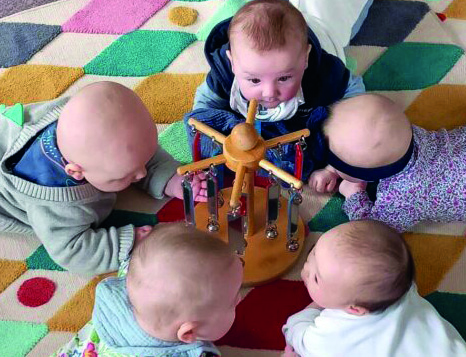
[112,16]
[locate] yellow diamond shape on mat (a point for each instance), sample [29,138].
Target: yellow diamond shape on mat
[73,315]
[169,96]
[434,255]
[35,83]
[11,270]
[439,106]
[457,10]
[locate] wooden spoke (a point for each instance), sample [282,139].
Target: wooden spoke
[287,138]
[237,186]
[252,112]
[285,176]
[207,130]
[201,165]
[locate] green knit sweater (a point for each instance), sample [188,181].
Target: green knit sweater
[65,218]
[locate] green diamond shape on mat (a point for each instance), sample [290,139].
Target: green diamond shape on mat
[2,108]
[329,216]
[351,64]
[40,259]
[140,53]
[174,140]
[119,218]
[16,114]
[451,307]
[228,9]
[18,338]
[411,65]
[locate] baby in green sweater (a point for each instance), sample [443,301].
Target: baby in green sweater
[60,171]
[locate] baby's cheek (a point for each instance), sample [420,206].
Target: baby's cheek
[250,93]
[290,92]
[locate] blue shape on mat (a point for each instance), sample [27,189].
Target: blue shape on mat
[20,41]
[389,22]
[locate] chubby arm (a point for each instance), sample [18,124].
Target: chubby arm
[302,334]
[67,232]
[160,169]
[358,206]
[393,211]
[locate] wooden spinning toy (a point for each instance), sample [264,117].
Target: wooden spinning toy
[260,225]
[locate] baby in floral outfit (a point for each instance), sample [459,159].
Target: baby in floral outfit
[421,174]
[168,304]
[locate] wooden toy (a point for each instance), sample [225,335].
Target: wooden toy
[260,225]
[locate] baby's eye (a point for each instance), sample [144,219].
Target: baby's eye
[315,279]
[255,80]
[284,78]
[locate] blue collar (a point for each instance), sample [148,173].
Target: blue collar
[41,162]
[374,173]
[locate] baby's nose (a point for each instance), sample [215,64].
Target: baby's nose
[269,91]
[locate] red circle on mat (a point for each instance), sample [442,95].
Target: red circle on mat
[36,292]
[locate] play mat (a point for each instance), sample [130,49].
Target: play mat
[410,51]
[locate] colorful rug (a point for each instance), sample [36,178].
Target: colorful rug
[410,51]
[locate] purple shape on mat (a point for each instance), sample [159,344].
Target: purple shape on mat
[113,16]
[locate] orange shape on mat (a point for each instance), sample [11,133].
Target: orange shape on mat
[169,96]
[456,9]
[439,106]
[434,255]
[73,315]
[29,83]
[11,270]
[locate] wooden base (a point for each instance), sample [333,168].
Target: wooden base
[265,259]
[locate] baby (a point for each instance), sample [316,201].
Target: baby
[421,175]
[360,276]
[268,52]
[169,304]
[60,170]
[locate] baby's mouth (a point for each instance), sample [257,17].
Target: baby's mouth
[270,104]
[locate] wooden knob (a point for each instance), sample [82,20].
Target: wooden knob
[244,136]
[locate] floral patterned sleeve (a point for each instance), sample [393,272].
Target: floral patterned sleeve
[398,216]
[358,206]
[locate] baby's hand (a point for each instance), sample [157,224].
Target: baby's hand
[348,188]
[199,185]
[323,180]
[289,352]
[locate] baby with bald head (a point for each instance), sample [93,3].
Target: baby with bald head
[180,293]
[107,136]
[184,284]
[64,166]
[420,174]
[360,276]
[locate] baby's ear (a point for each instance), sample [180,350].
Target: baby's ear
[187,332]
[309,48]
[75,171]
[356,310]
[228,52]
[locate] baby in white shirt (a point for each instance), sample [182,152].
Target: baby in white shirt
[360,276]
